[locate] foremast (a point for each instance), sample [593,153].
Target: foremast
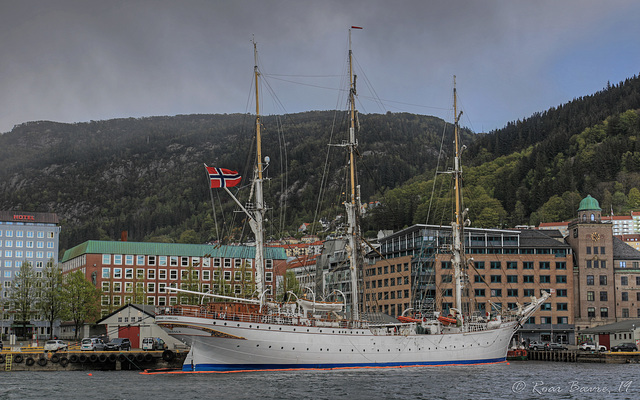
[352,204]
[458,224]
[257,210]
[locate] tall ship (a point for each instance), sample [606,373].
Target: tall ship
[233,334]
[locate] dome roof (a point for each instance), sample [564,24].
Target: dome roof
[589,203]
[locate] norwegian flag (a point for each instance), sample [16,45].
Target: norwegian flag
[221,177]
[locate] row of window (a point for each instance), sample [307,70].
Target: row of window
[117,287]
[510,292]
[118,301]
[624,296]
[28,234]
[392,295]
[510,278]
[175,261]
[635,264]
[37,264]
[388,269]
[387,282]
[596,250]
[173,274]
[596,263]
[28,244]
[543,265]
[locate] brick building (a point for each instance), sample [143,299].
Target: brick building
[133,272]
[506,267]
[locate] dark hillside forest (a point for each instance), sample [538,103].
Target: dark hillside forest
[538,170]
[146,176]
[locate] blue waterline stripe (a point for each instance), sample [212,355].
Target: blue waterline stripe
[253,367]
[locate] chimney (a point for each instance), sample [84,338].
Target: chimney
[123,236]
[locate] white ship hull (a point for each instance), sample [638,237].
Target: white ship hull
[223,345]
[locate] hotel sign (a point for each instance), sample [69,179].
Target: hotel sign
[23,217]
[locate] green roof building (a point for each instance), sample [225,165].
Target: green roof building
[139,272]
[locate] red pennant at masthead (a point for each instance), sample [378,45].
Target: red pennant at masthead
[221,177]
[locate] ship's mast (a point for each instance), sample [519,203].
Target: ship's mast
[458,224]
[352,204]
[258,210]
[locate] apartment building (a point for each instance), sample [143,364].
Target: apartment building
[134,272]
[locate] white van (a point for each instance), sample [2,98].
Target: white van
[151,343]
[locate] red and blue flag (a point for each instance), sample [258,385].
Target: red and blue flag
[221,177]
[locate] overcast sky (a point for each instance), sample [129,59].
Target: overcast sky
[76,61]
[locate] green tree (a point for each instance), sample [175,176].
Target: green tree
[23,295]
[634,198]
[83,298]
[289,283]
[52,303]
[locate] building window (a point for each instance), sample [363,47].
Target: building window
[128,259]
[545,265]
[625,296]
[139,260]
[268,276]
[545,278]
[527,265]
[151,274]
[479,292]
[128,273]
[561,279]
[623,264]
[117,287]
[512,265]
[591,312]
[151,287]
[173,261]
[562,306]
[479,264]
[152,260]
[624,280]
[496,292]
[604,312]
[106,258]
[590,280]
[512,278]
[512,292]
[603,296]
[603,279]
[496,278]
[625,313]
[591,296]
[162,274]
[173,274]
[477,278]
[117,273]
[117,259]
[561,265]
[528,279]
[106,272]
[496,265]
[528,292]
[561,293]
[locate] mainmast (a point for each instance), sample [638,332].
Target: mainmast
[458,224]
[258,209]
[352,204]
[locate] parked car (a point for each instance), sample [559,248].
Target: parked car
[555,346]
[537,346]
[55,345]
[592,347]
[118,344]
[151,343]
[91,344]
[624,347]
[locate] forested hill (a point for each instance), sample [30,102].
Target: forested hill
[146,176]
[538,170]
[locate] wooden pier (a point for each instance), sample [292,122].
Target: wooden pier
[585,356]
[90,360]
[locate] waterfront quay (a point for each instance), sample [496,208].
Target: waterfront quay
[33,360]
[578,356]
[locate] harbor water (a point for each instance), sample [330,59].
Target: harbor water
[513,380]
